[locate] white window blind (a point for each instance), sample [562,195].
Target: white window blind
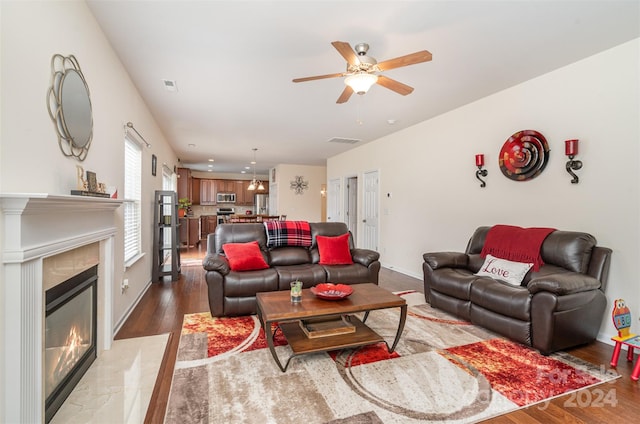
[132,198]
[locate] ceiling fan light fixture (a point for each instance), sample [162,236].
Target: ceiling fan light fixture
[361,82]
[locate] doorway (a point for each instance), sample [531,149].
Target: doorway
[333,200]
[370,211]
[351,206]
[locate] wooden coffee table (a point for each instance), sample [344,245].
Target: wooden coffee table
[291,319]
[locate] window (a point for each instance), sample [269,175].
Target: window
[132,199]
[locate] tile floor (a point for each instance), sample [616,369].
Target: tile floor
[118,385]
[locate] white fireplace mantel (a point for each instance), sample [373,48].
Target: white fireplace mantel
[36,226]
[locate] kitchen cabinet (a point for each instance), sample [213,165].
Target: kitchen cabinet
[195,190]
[208,188]
[189,231]
[208,225]
[207,192]
[184,183]
[243,197]
[225,186]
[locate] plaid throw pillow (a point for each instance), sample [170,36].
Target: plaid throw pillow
[288,233]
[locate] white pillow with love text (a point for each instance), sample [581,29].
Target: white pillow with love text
[502,269]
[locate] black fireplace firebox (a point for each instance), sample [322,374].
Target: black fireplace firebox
[70,336]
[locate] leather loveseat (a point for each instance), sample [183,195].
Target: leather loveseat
[560,305]
[234,292]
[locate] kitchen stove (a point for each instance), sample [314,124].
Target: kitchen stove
[221,213]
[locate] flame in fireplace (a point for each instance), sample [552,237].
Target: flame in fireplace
[64,358]
[71,352]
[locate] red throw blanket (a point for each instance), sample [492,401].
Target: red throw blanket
[516,244]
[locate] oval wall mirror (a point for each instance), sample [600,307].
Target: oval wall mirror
[69,107]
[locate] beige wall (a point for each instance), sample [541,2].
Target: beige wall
[437,201]
[306,206]
[30,159]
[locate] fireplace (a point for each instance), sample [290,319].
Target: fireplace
[70,336]
[46,241]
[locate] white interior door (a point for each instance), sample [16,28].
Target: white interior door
[370,220]
[351,206]
[333,201]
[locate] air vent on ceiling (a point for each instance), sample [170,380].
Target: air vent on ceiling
[170,85]
[344,140]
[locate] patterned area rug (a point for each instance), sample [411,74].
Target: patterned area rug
[443,370]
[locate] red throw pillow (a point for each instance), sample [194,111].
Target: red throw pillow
[244,256]
[334,250]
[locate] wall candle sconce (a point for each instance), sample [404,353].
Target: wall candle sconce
[481,172]
[571,150]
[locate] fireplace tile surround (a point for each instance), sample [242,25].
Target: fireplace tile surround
[39,230]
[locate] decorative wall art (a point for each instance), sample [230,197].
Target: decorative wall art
[299,185]
[524,155]
[69,107]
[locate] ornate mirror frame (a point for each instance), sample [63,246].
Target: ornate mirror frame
[69,106]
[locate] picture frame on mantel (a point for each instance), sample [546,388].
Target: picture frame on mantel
[92,182]
[154,165]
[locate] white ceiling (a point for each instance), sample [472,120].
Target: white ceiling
[233,62]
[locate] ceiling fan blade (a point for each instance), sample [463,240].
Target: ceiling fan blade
[346,51]
[346,93]
[410,59]
[317,77]
[394,85]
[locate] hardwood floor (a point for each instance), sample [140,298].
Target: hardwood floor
[164,304]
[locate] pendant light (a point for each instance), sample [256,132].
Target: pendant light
[255,183]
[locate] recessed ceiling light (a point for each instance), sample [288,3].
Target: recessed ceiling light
[243,172]
[391,121]
[210,166]
[211,160]
[247,167]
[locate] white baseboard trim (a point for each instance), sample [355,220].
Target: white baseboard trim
[128,312]
[402,271]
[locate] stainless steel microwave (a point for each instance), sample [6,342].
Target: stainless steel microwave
[225,197]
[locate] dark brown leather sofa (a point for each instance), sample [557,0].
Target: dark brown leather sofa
[559,306]
[234,292]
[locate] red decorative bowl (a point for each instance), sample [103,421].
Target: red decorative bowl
[330,291]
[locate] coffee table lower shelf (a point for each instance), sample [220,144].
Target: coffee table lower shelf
[301,344]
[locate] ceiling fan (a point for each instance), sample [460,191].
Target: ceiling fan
[363,71]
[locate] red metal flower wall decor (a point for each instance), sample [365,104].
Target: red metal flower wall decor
[524,155]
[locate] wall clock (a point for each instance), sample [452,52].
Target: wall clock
[299,185]
[524,155]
